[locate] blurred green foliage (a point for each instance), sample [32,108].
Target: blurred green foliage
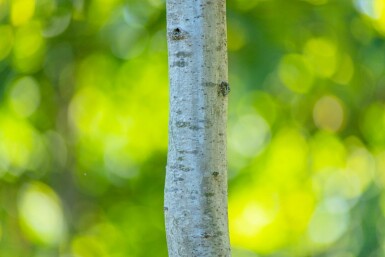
[83,128]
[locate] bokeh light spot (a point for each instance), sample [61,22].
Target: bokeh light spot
[322,56]
[378,8]
[328,113]
[22,11]
[41,214]
[85,121]
[288,154]
[25,96]
[117,160]
[97,70]
[254,215]
[28,40]
[367,7]
[295,73]
[250,135]
[29,48]
[360,169]
[19,144]
[375,10]
[327,152]
[327,225]
[57,25]
[128,42]
[252,219]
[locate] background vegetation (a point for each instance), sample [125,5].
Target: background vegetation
[83,128]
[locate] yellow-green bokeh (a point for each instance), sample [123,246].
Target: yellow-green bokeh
[84,114]
[41,214]
[296,73]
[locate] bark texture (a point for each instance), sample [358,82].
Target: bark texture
[196,179]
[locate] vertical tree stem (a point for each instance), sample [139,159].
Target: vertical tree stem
[196,180]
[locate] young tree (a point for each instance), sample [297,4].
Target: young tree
[196,180]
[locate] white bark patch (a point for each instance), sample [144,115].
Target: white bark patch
[196,180]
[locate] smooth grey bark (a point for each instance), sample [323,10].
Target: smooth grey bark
[196,177]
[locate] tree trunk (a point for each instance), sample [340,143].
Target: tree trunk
[196,179]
